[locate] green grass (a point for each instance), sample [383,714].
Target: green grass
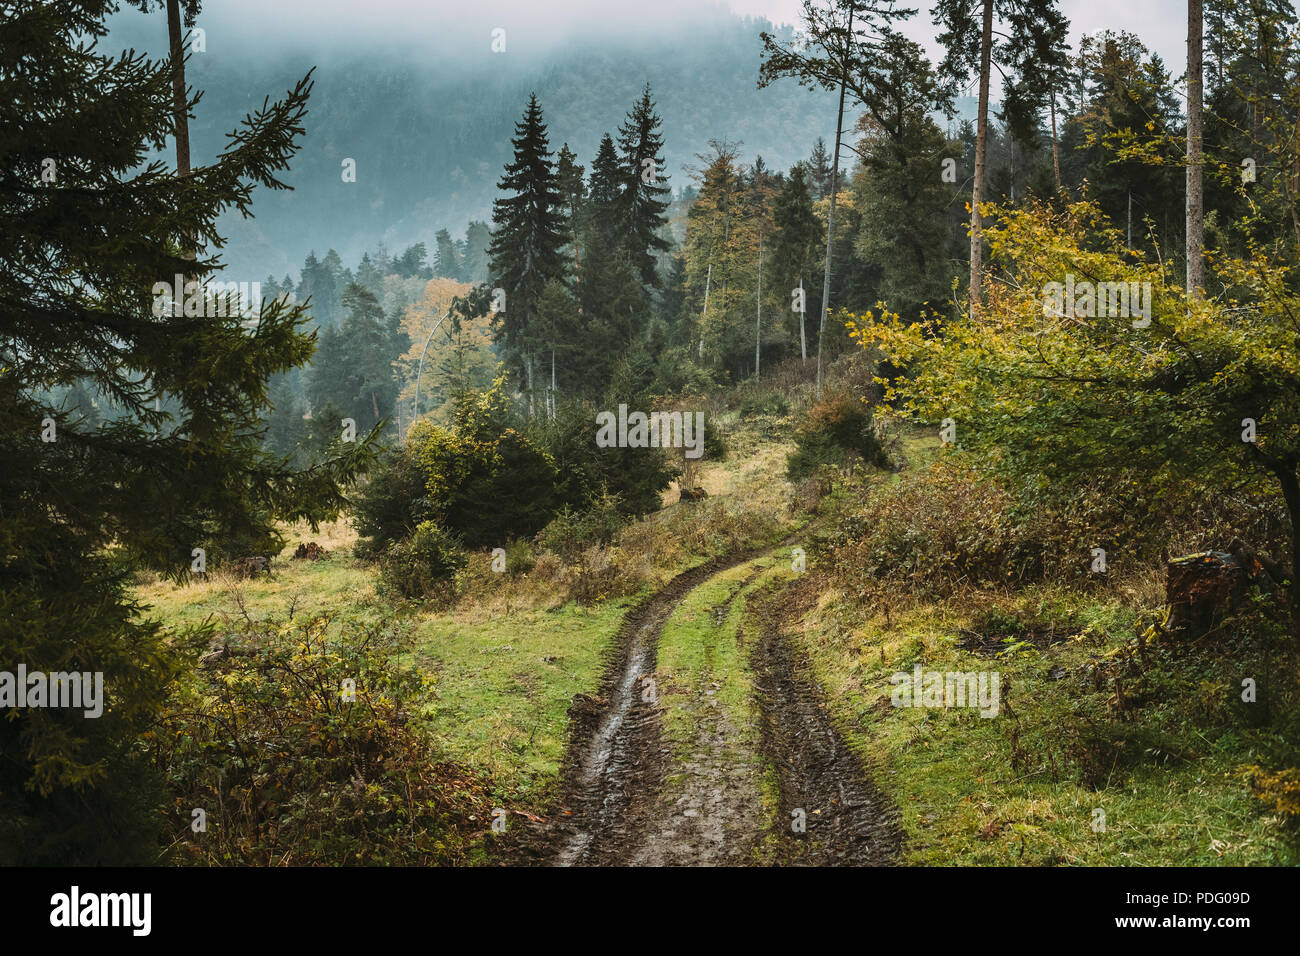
[1174,796]
[502,685]
[503,688]
[704,656]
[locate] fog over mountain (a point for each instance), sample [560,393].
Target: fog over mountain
[428,115]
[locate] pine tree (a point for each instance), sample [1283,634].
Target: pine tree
[644,193]
[371,389]
[369,275]
[819,170]
[329,381]
[178,11]
[795,252]
[476,258]
[85,260]
[573,192]
[527,246]
[446,258]
[606,176]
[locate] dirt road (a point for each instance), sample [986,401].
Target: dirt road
[616,810]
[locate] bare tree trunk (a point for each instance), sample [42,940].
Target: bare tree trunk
[180,117]
[531,391]
[981,147]
[830,218]
[1291,495]
[803,339]
[1056,153]
[758,317]
[1195,189]
[708,278]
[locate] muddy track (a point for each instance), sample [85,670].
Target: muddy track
[847,822]
[612,768]
[612,809]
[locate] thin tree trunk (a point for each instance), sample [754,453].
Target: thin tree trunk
[1286,477]
[531,392]
[758,317]
[552,401]
[708,277]
[830,218]
[981,146]
[1195,190]
[180,118]
[1056,153]
[803,340]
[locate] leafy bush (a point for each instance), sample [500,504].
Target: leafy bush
[481,479]
[635,477]
[519,557]
[833,430]
[416,566]
[763,403]
[290,771]
[486,488]
[571,532]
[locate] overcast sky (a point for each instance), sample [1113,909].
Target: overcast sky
[444,27]
[1162,24]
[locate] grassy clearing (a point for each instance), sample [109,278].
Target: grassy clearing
[502,682]
[509,654]
[1008,789]
[308,588]
[503,687]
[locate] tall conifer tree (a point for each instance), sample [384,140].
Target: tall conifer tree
[527,246]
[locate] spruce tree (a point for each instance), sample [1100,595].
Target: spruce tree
[573,193]
[606,176]
[85,259]
[1028,49]
[475,257]
[446,258]
[819,167]
[795,251]
[644,196]
[526,249]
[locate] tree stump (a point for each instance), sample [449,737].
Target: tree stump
[1200,588]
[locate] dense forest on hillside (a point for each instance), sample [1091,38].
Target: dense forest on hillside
[925,492]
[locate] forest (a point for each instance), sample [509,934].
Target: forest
[927,497]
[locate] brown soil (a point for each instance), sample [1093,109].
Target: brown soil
[625,801]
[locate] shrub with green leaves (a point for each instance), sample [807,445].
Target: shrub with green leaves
[392,504]
[634,477]
[304,748]
[416,566]
[767,402]
[833,431]
[572,532]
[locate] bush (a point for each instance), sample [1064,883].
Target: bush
[833,431]
[763,403]
[486,488]
[481,479]
[635,477]
[392,504]
[290,771]
[416,566]
[572,532]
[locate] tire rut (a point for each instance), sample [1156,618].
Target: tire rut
[612,810]
[613,769]
[847,820]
